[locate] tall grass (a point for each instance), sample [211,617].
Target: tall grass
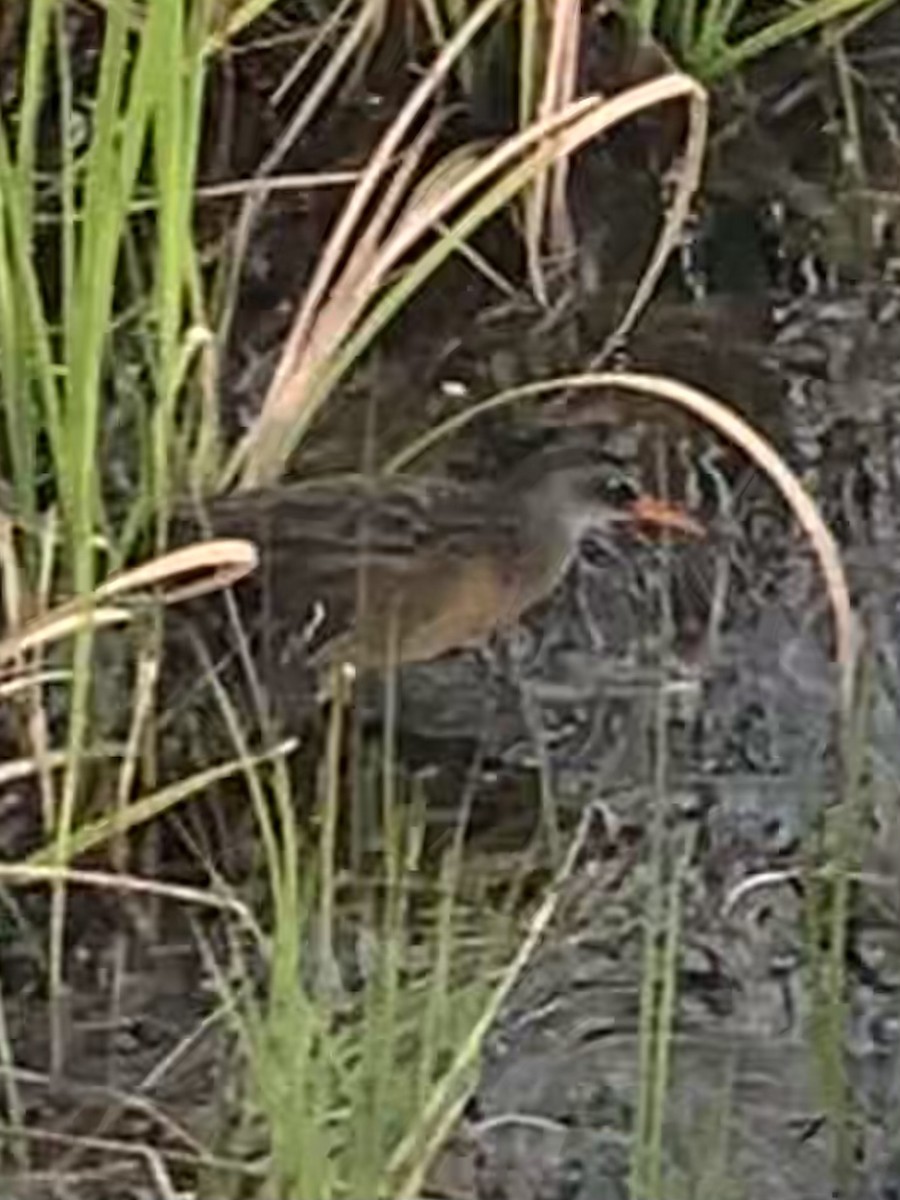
[66,313]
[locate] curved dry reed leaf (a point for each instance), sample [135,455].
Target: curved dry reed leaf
[761,451]
[559,136]
[356,213]
[22,875]
[31,679]
[223,562]
[220,563]
[734,429]
[294,396]
[60,623]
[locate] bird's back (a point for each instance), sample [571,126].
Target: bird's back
[406,568]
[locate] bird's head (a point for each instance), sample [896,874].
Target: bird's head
[599,495]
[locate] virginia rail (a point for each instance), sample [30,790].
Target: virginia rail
[406,569]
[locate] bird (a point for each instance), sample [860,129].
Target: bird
[394,570]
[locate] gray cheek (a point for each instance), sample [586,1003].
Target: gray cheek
[594,519]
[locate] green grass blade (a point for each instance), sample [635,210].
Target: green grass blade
[792,25]
[39,17]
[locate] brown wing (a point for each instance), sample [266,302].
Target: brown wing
[345,555]
[438,607]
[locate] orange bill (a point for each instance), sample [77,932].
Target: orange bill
[649,510]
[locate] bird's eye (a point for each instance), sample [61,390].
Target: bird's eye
[620,491]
